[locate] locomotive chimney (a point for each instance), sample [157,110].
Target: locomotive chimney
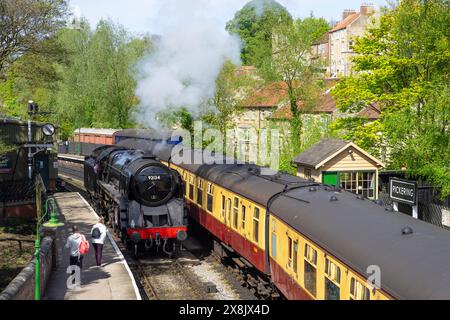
[347,12]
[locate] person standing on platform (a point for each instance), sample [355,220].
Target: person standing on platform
[98,234]
[73,244]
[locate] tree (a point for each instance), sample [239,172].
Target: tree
[97,87]
[294,64]
[231,89]
[403,64]
[24,24]
[254,24]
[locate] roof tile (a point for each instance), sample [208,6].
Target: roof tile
[346,22]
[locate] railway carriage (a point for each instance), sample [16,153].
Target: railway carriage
[310,241]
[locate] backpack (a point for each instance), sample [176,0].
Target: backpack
[84,246]
[96,233]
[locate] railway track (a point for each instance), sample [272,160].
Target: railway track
[184,277]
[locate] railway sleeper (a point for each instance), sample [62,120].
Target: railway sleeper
[246,273]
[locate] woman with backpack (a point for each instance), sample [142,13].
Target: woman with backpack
[78,247]
[98,234]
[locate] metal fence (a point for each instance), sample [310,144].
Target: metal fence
[431,208]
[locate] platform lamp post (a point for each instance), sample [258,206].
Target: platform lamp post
[53,223]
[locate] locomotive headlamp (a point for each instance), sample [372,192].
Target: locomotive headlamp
[48,130]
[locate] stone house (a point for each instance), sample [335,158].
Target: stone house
[342,38]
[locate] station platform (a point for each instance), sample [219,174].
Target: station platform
[112,281]
[70,157]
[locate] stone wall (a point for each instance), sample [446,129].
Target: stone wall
[22,287]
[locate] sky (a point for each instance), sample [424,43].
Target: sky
[150,16]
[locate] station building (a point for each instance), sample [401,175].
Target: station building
[342,164]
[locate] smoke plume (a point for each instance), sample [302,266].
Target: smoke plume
[185,61]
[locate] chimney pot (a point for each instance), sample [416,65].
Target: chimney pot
[367,9]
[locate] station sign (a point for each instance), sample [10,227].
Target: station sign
[403,191]
[5,164]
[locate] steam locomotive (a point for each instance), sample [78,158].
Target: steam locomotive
[141,198]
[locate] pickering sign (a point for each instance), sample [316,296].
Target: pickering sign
[403,191]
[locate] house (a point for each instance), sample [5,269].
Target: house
[321,49]
[342,38]
[341,164]
[269,107]
[260,105]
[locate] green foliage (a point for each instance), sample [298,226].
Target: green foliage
[24,26]
[97,87]
[294,64]
[231,89]
[84,76]
[254,24]
[403,65]
[177,118]
[6,148]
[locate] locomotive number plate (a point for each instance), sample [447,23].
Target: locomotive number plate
[154,178]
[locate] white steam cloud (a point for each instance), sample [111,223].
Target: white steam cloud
[185,62]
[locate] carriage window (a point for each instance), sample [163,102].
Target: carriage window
[256,225]
[229,211]
[274,245]
[290,251]
[191,187]
[200,192]
[209,197]
[223,206]
[243,217]
[310,269]
[294,258]
[358,291]
[185,178]
[235,213]
[332,280]
[293,252]
[310,254]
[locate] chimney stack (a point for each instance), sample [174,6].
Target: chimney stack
[367,9]
[347,12]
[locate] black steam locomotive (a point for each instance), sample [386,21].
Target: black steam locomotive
[141,199]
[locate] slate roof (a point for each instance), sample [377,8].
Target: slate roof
[320,151]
